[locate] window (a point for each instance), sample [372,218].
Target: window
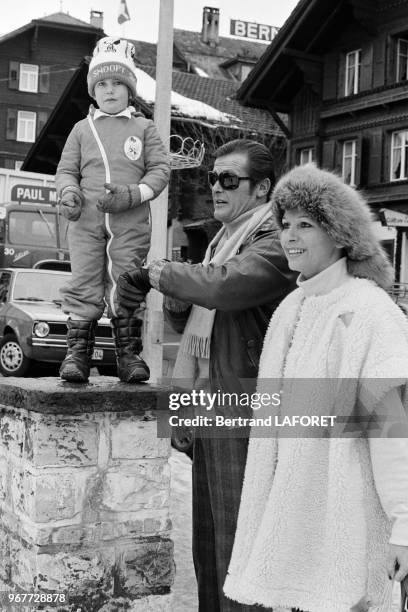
[349,162]
[5,278]
[18,164]
[245,70]
[176,254]
[399,156]
[28,78]
[24,125]
[26,121]
[353,69]
[32,228]
[306,155]
[402,59]
[44,287]
[63,231]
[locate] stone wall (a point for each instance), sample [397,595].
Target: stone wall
[84,494]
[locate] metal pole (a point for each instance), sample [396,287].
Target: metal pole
[153,333]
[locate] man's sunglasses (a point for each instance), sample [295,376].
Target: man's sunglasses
[227,180]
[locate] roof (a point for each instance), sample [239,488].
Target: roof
[305,35]
[145,52]
[191,42]
[209,58]
[60,19]
[190,49]
[66,19]
[181,105]
[220,93]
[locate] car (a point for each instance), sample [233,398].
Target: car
[33,325]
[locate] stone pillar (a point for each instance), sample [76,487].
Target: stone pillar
[84,494]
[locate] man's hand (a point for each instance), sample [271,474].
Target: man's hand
[119,198]
[71,205]
[397,562]
[132,287]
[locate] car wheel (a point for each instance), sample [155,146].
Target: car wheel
[13,362]
[107,370]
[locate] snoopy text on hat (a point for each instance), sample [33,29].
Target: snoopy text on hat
[112,59]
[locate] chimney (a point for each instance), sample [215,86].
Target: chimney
[211,18]
[96,19]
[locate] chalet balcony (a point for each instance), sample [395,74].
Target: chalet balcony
[364,100]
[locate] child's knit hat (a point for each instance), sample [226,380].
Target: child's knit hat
[112,59]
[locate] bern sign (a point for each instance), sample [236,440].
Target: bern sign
[34,194]
[256,31]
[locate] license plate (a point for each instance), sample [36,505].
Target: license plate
[97,354]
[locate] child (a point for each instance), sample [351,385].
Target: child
[112,164]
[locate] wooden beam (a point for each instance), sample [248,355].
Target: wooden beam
[279,121]
[339,6]
[263,103]
[308,57]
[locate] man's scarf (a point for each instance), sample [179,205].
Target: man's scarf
[194,352]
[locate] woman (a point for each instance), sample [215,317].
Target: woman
[322,521]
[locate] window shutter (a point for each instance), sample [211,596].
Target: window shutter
[44,79]
[359,160]
[392,61]
[41,121]
[11,127]
[331,66]
[342,76]
[366,78]
[387,143]
[328,153]
[14,75]
[379,62]
[375,156]
[338,158]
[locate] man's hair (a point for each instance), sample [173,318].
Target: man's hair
[260,159]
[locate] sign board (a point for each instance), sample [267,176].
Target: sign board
[256,31]
[34,194]
[393,218]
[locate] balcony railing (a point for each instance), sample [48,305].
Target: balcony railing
[399,293]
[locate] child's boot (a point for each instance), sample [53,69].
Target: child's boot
[80,340]
[128,345]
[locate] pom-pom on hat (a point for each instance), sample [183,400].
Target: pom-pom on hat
[112,59]
[342,212]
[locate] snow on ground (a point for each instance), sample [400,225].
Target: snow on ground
[396,600]
[184,588]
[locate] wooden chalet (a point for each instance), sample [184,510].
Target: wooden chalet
[36,63]
[339,69]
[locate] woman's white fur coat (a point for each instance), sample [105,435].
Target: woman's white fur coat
[313,527]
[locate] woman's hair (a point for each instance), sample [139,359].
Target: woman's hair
[341,211]
[260,159]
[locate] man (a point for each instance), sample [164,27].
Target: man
[242,279]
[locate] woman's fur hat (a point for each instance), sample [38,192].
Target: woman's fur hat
[342,212]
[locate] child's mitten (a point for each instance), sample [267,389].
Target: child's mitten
[71,203]
[119,198]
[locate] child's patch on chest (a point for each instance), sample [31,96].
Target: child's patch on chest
[133,148]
